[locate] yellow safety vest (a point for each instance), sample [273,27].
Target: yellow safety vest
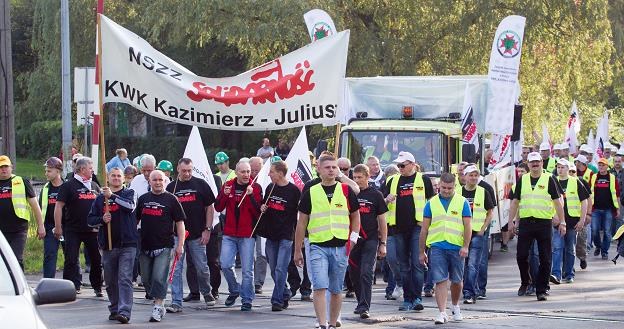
[385,156]
[446,224]
[536,202]
[231,175]
[573,203]
[18,198]
[328,220]
[478,209]
[551,165]
[419,198]
[611,187]
[44,199]
[587,175]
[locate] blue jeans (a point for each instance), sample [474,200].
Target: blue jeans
[154,273]
[602,219]
[392,261]
[563,253]
[472,266]
[245,247]
[197,253]
[483,268]
[278,255]
[118,264]
[50,254]
[411,271]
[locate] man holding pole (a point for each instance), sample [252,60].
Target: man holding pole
[197,201]
[118,257]
[241,198]
[328,211]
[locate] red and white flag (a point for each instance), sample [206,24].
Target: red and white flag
[501,151]
[602,135]
[573,127]
[298,161]
[319,23]
[469,126]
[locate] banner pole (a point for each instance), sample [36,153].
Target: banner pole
[336,139]
[101,123]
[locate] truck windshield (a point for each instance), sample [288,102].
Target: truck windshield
[386,145]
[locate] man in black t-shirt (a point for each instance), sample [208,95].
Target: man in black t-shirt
[372,242]
[17,199]
[161,216]
[76,197]
[197,200]
[564,241]
[319,206]
[47,200]
[605,189]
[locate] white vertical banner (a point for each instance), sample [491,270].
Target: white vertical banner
[201,167]
[602,135]
[546,137]
[468,125]
[319,24]
[591,142]
[263,178]
[503,75]
[501,151]
[501,181]
[573,127]
[298,161]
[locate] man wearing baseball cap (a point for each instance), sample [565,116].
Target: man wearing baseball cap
[583,174]
[406,195]
[605,190]
[589,153]
[47,200]
[17,199]
[548,162]
[564,237]
[537,199]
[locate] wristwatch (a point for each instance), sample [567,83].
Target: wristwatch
[382,242]
[208,228]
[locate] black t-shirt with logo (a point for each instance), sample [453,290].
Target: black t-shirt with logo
[78,200]
[553,188]
[53,191]
[602,191]
[158,214]
[372,204]
[405,210]
[280,219]
[305,206]
[487,201]
[582,195]
[194,195]
[9,222]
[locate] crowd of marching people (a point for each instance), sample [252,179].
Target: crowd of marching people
[427,235]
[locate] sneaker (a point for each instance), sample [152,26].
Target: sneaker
[358,311]
[554,279]
[429,293]
[442,318]
[258,290]
[122,319]
[522,291]
[568,280]
[156,314]
[398,292]
[364,315]
[246,307]
[389,296]
[457,316]
[481,297]
[173,308]
[285,304]
[605,257]
[469,300]
[407,306]
[531,290]
[98,293]
[417,305]
[504,248]
[541,297]
[338,324]
[210,300]
[112,317]
[231,300]
[583,264]
[191,298]
[275,308]
[350,294]
[597,252]
[78,291]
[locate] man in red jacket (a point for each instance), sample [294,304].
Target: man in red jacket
[237,228]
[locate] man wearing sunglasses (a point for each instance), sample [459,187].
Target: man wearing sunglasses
[406,195]
[344,164]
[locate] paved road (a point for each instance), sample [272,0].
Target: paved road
[594,300]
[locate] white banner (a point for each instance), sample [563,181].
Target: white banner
[300,88]
[572,128]
[501,151]
[298,161]
[602,135]
[503,75]
[201,167]
[319,23]
[501,181]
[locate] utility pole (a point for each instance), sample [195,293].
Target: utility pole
[7,113]
[66,116]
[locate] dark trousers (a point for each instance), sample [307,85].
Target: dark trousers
[295,281]
[538,230]
[71,270]
[50,253]
[361,270]
[17,241]
[213,250]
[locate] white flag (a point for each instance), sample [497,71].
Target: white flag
[591,142]
[298,161]
[201,167]
[501,151]
[263,178]
[573,127]
[503,75]
[517,154]
[469,125]
[602,135]
[546,137]
[319,24]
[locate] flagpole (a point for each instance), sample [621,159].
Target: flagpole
[101,123]
[250,184]
[258,222]
[336,140]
